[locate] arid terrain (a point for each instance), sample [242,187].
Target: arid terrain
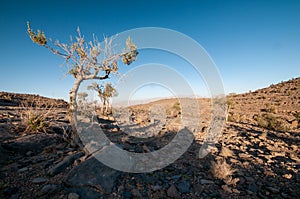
[257,155]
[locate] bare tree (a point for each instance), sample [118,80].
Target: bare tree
[105,92]
[85,61]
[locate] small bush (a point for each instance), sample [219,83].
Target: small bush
[220,169]
[34,118]
[270,121]
[233,117]
[176,106]
[36,123]
[229,103]
[269,109]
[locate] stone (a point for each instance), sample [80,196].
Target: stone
[294,124]
[85,192]
[172,192]
[184,187]
[272,189]
[226,188]
[14,196]
[127,194]
[244,156]
[92,173]
[249,179]
[156,187]
[136,193]
[10,191]
[236,191]
[253,187]
[39,180]
[61,166]
[114,130]
[5,132]
[176,177]
[73,196]
[288,176]
[232,160]
[198,189]
[203,181]
[284,195]
[33,142]
[47,189]
[22,169]
[260,195]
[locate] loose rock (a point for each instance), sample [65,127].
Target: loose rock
[39,180]
[172,192]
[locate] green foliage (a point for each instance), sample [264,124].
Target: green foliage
[82,57]
[110,91]
[130,56]
[104,91]
[82,95]
[38,38]
[176,106]
[36,123]
[74,71]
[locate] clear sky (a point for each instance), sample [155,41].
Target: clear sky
[253,43]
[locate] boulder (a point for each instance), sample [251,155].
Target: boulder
[92,173]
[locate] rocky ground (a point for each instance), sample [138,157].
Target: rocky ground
[252,159]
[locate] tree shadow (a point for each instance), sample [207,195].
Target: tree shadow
[261,174]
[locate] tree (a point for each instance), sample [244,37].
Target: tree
[82,100]
[85,61]
[104,93]
[82,96]
[109,92]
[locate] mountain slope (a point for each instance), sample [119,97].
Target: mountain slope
[280,100]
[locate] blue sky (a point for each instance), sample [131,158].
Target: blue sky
[253,43]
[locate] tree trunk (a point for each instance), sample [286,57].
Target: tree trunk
[74,137]
[104,107]
[107,107]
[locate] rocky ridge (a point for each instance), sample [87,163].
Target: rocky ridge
[255,161]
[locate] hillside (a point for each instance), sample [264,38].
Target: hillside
[19,100]
[279,103]
[280,100]
[257,155]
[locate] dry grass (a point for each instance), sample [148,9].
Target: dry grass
[34,118]
[220,169]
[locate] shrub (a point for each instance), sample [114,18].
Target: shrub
[34,118]
[176,106]
[233,117]
[37,123]
[220,169]
[271,122]
[269,109]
